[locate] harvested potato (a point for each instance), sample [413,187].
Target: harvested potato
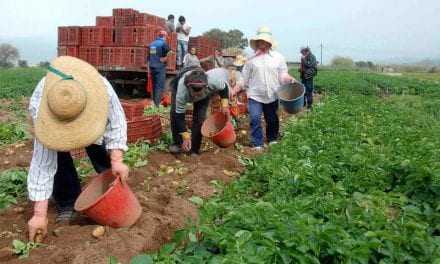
[98,232]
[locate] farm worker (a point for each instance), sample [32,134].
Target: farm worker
[217,59]
[170,24]
[191,59]
[230,74]
[183,30]
[193,85]
[308,69]
[263,74]
[157,62]
[72,107]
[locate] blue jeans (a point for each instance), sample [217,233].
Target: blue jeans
[308,84]
[271,118]
[158,74]
[182,50]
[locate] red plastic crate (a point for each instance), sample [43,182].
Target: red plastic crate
[91,36]
[134,108]
[140,19]
[134,57]
[171,63]
[172,41]
[68,51]
[136,36]
[144,127]
[124,16]
[74,36]
[104,21]
[92,55]
[63,36]
[69,36]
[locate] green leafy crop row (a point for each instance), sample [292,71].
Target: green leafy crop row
[356,181]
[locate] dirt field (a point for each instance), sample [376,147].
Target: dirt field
[165,203]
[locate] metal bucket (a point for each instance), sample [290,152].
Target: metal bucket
[292,97]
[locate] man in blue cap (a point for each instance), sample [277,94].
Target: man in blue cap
[157,62]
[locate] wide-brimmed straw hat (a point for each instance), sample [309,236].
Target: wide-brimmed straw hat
[265,34]
[239,61]
[74,106]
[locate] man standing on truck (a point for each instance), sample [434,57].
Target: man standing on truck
[73,107]
[193,85]
[183,30]
[157,62]
[170,24]
[308,70]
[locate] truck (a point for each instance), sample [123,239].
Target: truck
[117,46]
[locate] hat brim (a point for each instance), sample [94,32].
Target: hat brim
[90,125]
[253,41]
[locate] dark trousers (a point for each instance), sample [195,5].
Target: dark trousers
[158,74]
[67,186]
[199,116]
[308,83]
[271,118]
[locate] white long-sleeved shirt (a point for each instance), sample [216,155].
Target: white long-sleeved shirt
[44,161]
[262,76]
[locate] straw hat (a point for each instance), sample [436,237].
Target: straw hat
[74,106]
[240,60]
[265,34]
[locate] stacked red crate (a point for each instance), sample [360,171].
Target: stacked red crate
[134,108]
[92,55]
[68,51]
[144,127]
[104,21]
[133,57]
[69,36]
[122,38]
[124,16]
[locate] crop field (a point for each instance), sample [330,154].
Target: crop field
[355,180]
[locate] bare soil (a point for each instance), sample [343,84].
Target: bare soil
[164,198]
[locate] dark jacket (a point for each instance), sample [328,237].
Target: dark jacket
[158,49]
[309,67]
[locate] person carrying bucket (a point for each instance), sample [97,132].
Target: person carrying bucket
[72,107]
[193,85]
[263,75]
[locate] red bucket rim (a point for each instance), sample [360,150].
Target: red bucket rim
[220,131]
[112,186]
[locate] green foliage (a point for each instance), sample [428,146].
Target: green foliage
[17,82]
[229,39]
[355,181]
[339,61]
[22,249]
[12,132]
[12,186]
[154,110]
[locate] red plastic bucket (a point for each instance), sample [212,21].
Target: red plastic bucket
[219,129]
[109,202]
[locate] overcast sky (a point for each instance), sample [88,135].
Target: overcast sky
[376,30]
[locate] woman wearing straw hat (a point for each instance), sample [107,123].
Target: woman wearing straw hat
[263,74]
[72,107]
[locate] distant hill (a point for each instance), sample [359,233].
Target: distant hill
[34,49]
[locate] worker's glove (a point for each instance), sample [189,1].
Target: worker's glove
[37,225]
[186,144]
[119,169]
